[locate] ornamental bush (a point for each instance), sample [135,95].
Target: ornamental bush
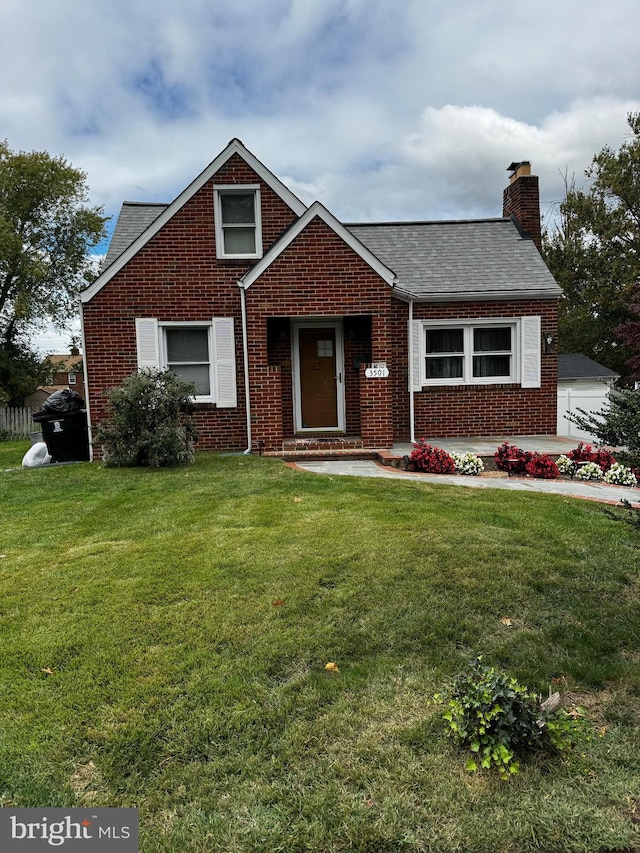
[431,460]
[149,422]
[620,475]
[542,466]
[512,459]
[500,720]
[585,453]
[467,463]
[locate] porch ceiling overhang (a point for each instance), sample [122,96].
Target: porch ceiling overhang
[317,210]
[234,147]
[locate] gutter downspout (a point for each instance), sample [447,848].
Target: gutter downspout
[86,381]
[412,414]
[245,355]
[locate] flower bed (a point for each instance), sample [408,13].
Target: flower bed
[584,463]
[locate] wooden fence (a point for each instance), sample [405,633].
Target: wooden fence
[17,422]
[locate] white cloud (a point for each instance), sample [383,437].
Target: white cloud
[378,108]
[463,151]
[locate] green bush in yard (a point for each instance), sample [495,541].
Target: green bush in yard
[500,720]
[149,422]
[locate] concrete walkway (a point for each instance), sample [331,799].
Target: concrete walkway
[571,488]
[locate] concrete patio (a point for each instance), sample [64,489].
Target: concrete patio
[486,445]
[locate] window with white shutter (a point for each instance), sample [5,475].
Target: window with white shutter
[479,352]
[202,354]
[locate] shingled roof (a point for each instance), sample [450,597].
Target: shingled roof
[573,365]
[135,217]
[433,261]
[460,259]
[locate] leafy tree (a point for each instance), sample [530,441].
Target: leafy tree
[617,425]
[629,333]
[21,371]
[149,422]
[595,254]
[46,232]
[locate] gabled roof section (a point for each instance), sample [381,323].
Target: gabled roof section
[234,147]
[318,210]
[460,260]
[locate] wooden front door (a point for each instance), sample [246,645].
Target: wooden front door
[319,377]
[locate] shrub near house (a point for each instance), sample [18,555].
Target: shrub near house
[149,422]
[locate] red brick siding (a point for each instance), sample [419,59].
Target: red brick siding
[176,276]
[459,411]
[318,275]
[376,412]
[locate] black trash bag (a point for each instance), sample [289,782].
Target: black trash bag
[62,402]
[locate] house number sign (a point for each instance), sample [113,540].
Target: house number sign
[377,370]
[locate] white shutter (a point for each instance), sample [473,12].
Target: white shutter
[530,351]
[224,362]
[147,343]
[415,357]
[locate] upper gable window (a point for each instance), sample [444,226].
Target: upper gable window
[238,223]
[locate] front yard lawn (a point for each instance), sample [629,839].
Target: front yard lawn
[164,637]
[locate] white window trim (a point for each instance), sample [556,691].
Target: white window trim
[225,189]
[190,324]
[468,325]
[71,379]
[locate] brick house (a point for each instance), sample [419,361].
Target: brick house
[294,324]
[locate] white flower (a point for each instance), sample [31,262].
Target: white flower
[590,471]
[467,463]
[620,475]
[565,465]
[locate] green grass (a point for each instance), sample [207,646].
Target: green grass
[178,686]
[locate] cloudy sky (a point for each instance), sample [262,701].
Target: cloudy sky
[381,109]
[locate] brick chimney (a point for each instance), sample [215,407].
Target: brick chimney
[522,199]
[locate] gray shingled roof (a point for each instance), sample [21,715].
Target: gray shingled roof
[573,365]
[135,217]
[456,259]
[432,260]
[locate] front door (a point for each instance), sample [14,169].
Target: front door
[319,372]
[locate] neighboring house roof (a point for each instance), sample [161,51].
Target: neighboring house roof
[49,389]
[440,261]
[576,366]
[64,362]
